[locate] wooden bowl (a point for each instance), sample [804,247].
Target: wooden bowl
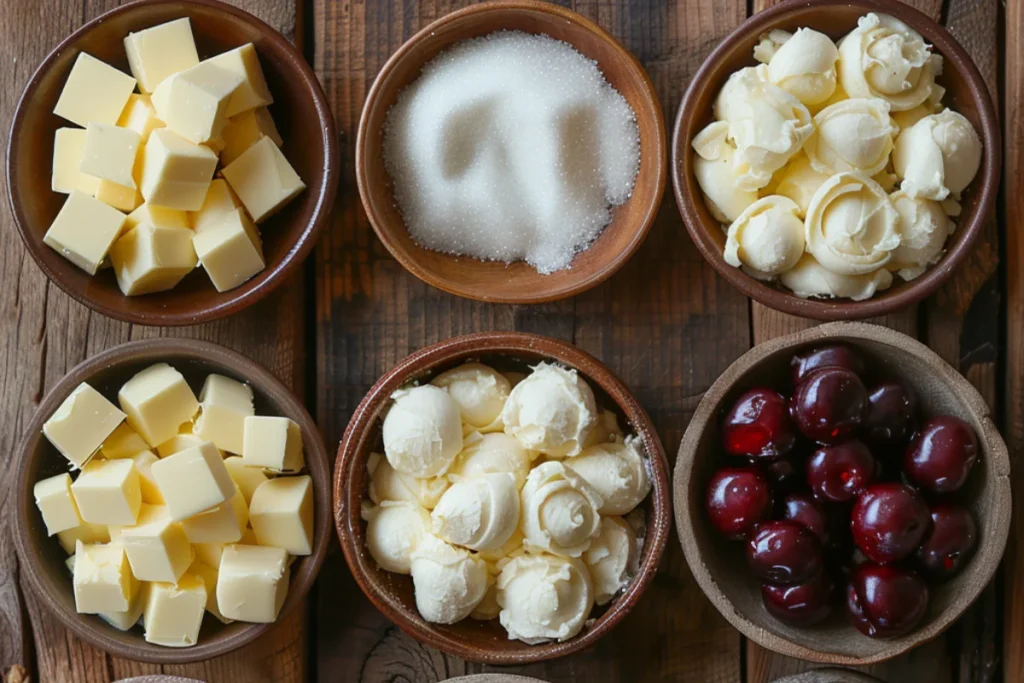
[42,558]
[719,565]
[828,676]
[300,110]
[518,282]
[392,594]
[966,93]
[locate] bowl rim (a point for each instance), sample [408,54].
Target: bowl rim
[154,349]
[704,417]
[987,180]
[295,255]
[502,343]
[658,148]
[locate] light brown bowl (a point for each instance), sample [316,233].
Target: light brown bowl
[392,594]
[966,93]
[42,558]
[300,111]
[719,565]
[515,283]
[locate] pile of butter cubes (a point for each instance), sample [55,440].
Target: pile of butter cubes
[140,171]
[177,509]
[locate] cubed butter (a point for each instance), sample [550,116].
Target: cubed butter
[108,492]
[84,230]
[252,91]
[219,201]
[140,115]
[249,538]
[174,611]
[86,533]
[157,401]
[151,259]
[124,621]
[157,547]
[281,514]
[274,443]
[247,479]
[245,129]
[253,583]
[109,153]
[222,524]
[147,482]
[209,576]
[178,443]
[103,579]
[68,145]
[122,198]
[157,216]
[70,564]
[209,553]
[160,51]
[175,172]
[94,91]
[224,403]
[194,102]
[123,442]
[56,504]
[81,424]
[263,179]
[193,480]
[231,252]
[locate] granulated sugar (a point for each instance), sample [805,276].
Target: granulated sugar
[510,147]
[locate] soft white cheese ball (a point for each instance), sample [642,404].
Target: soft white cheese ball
[799,181]
[715,169]
[422,431]
[805,66]
[448,582]
[559,510]
[937,156]
[479,513]
[544,597]
[617,471]
[768,237]
[613,558]
[489,453]
[769,44]
[488,608]
[386,483]
[852,135]
[906,119]
[393,532]
[605,430]
[808,279]
[551,411]
[480,392]
[495,555]
[924,228]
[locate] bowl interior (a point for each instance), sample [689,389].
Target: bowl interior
[965,93]
[516,282]
[300,116]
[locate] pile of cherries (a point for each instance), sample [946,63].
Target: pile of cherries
[843,485]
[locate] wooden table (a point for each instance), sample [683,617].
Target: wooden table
[666,324]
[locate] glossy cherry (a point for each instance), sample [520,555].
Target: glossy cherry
[802,508]
[825,357]
[889,521]
[758,425]
[884,601]
[838,474]
[950,543]
[829,405]
[941,454]
[784,553]
[737,499]
[889,420]
[803,604]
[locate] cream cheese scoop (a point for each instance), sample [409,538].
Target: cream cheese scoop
[768,237]
[480,392]
[852,135]
[386,483]
[613,558]
[714,166]
[808,278]
[489,453]
[544,597]
[804,65]
[559,510]
[394,530]
[422,431]
[924,228]
[448,582]
[551,411]
[480,513]
[937,156]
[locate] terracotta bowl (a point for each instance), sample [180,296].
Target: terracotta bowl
[719,565]
[42,558]
[300,111]
[517,283]
[966,93]
[828,676]
[392,594]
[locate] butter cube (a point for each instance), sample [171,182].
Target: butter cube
[82,422]
[253,583]
[253,91]
[265,124]
[218,202]
[193,480]
[160,51]
[231,252]
[272,442]
[249,538]
[103,580]
[247,479]
[222,524]
[140,115]
[245,129]
[157,400]
[174,611]
[194,102]
[109,153]
[209,575]
[123,442]
[70,564]
[84,230]
[263,179]
[157,547]
[108,492]
[177,444]
[209,553]
[281,514]
[147,482]
[68,145]
[124,621]
[175,172]
[150,259]
[86,533]
[57,505]
[157,216]
[122,198]
[94,91]
[225,404]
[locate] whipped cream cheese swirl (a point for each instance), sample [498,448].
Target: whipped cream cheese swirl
[559,510]
[551,411]
[544,597]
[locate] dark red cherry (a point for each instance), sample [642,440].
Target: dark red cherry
[889,521]
[784,553]
[829,404]
[737,499]
[825,357]
[803,604]
[890,417]
[783,474]
[885,601]
[838,474]
[949,545]
[941,454]
[758,425]
[802,508]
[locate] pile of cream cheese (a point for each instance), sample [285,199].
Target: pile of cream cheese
[836,165]
[507,497]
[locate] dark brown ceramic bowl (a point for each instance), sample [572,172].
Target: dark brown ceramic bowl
[719,565]
[42,558]
[965,92]
[392,594]
[516,283]
[300,111]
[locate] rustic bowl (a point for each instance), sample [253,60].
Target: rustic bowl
[828,676]
[719,565]
[300,110]
[42,558]
[517,283]
[392,594]
[966,93]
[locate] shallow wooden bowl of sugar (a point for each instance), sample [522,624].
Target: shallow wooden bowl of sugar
[300,111]
[966,93]
[392,594]
[41,557]
[518,282]
[719,565]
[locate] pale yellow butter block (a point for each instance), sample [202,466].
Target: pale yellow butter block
[252,583]
[109,153]
[123,442]
[265,124]
[193,481]
[281,514]
[220,200]
[174,611]
[70,563]
[247,479]
[175,172]
[245,129]
[140,115]
[94,91]
[253,91]
[147,482]
[216,143]
[56,504]
[151,259]
[157,216]
[157,401]
[124,621]
[209,576]
[177,444]
[103,579]
[249,537]
[231,252]
[209,553]
[157,547]
[122,198]
[68,145]
[224,403]
[160,51]
[263,179]
[81,424]
[274,443]
[222,524]
[84,230]
[194,102]
[86,533]
[108,492]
